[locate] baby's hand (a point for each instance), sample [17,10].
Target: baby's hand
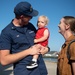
[35,40]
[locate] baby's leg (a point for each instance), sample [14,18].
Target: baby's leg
[35,57]
[33,63]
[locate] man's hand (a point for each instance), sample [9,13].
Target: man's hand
[35,49]
[43,50]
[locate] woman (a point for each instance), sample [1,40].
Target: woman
[67,29]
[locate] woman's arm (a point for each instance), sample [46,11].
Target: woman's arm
[73,67]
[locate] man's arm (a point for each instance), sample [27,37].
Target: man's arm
[44,50]
[7,58]
[0,56]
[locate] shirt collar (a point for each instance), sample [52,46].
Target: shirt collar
[70,38]
[19,29]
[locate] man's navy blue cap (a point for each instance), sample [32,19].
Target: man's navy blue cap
[25,8]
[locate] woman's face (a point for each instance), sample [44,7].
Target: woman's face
[62,26]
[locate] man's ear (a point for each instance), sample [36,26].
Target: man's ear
[21,16]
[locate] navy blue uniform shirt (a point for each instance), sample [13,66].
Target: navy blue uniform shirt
[17,39]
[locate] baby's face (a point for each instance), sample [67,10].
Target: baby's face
[41,22]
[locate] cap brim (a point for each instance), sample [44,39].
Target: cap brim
[34,13]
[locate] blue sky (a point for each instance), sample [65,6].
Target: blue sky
[53,9]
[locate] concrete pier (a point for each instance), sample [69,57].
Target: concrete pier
[8,70]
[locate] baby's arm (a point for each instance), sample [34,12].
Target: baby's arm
[45,36]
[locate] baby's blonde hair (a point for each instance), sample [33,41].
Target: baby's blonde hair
[46,19]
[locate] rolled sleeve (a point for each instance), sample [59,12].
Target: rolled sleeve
[5,42]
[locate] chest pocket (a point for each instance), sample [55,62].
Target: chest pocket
[30,35]
[62,54]
[21,41]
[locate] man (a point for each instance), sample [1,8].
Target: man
[17,40]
